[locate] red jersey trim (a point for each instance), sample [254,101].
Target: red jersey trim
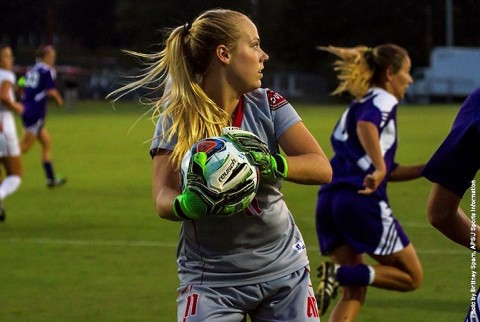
[237,115]
[275,100]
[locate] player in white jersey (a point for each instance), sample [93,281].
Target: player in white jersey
[9,147]
[254,262]
[353,213]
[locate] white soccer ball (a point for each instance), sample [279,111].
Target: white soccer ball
[226,169]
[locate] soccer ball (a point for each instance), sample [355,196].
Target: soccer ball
[227,168]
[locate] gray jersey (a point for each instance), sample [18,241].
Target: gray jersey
[260,244]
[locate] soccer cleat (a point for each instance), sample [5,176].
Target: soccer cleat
[2,211]
[56,183]
[328,286]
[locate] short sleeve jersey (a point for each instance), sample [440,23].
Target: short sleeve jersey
[259,244]
[7,76]
[39,80]
[350,162]
[457,160]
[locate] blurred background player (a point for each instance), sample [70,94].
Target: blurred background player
[40,85]
[452,169]
[251,263]
[353,216]
[9,147]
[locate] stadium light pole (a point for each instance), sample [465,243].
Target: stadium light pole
[449,22]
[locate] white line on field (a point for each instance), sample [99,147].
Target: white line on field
[145,243]
[128,243]
[416,225]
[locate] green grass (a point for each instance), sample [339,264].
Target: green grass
[94,250]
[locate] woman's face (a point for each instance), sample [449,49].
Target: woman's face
[247,61]
[401,80]
[50,57]
[6,58]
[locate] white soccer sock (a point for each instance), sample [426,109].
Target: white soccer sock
[372,275]
[335,268]
[9,185]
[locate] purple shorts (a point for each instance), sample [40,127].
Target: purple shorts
[33,125]
[344,217]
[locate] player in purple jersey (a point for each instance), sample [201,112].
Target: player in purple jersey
[252,262]
[452,170]
[10,157]
[353,216]
[39,86]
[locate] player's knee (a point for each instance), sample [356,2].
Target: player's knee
[25,147]
[415,282]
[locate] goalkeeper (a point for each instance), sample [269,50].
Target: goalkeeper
[252,262]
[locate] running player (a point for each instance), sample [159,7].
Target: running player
[252,263]
[9,148]
[452,169]
[40,85]
[353,216]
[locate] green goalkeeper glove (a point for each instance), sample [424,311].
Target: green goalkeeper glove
[21,82]
[273,166]
[198,201]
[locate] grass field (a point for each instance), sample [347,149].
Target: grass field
[94,249]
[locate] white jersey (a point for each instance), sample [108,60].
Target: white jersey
[261,244]
[7,76]
[8,131]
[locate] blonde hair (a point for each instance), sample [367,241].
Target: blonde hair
[179,69]
[358,68]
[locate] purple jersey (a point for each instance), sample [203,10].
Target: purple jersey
[39,80]
[457,160]
[351,163]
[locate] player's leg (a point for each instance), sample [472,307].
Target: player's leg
[352,297]
[11,181]
[27,141]
[2,206]
[400,271]
[367,226]
[30,133]
[46,157]
[13,175]
[46,144]
[329,238]
[10,159]
[399,267]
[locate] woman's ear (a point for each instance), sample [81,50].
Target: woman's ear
[389,73]
[223,54]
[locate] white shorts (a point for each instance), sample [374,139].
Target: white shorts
[9,146]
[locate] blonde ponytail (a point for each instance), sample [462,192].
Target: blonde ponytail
[362,67]
[177,71]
